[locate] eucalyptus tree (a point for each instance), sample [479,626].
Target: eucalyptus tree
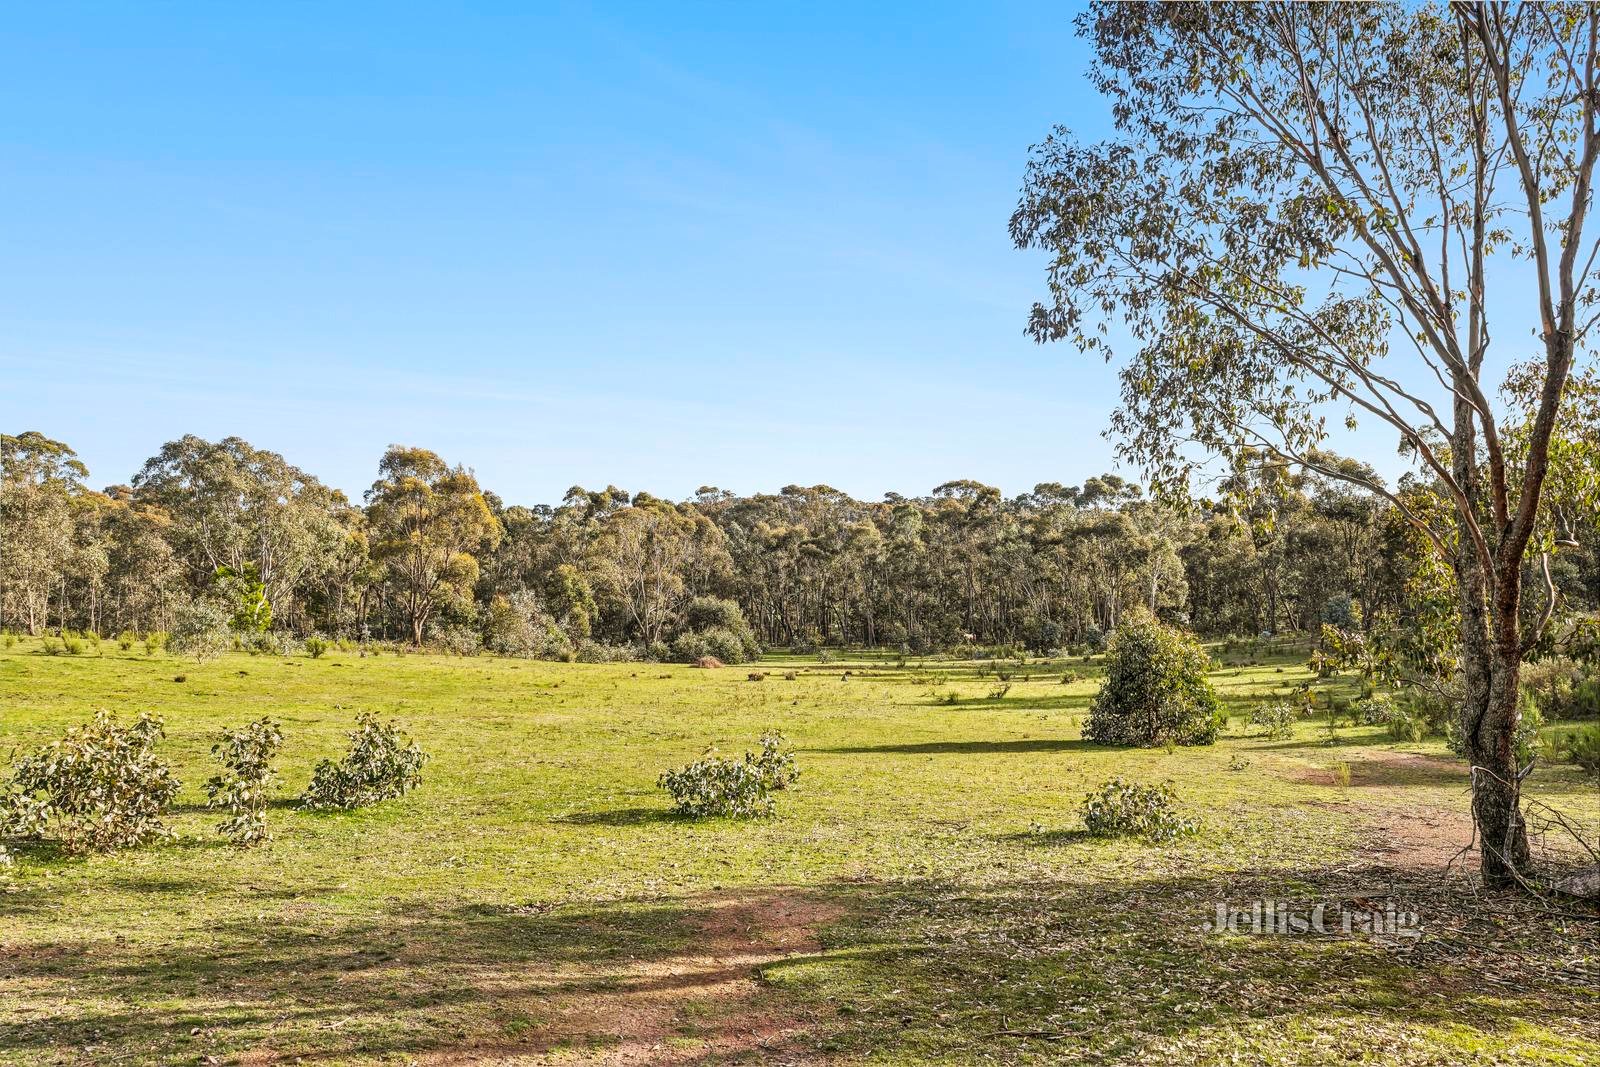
[40,482]
[235,506]
[143,575]
[428,522]
[1316,209]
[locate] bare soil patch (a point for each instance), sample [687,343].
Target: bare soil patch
[704,1005]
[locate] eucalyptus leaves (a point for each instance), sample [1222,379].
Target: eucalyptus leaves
[102,786]
[716,785]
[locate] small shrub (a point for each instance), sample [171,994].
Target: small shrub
[382,764]
[1341,774]
[201,631]
[1583,748]
[789,676]
[1276,719]
[1124,809]
[73,645]
[1405,725]
[125,640]
[587,651]
[267,643]
[709,662]
[50,646]
[1373,710]
[317,646]
[715,785]
[101,787]
[246,756]
[456,640]
[154,642]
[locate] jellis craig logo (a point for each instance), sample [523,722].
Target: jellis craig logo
[1283,917]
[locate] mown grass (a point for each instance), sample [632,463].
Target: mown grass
[537,900]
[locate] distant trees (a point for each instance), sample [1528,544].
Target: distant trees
[434,558]
[231,505]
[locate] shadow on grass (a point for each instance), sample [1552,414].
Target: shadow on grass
[1022,702]
[621,817]
[1020,745]
[1104,970]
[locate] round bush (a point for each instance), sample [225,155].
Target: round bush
[1156,691]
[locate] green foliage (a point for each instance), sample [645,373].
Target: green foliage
[1276,718]
[1583,748]
[241,789]
[317,646]
[200,630]
[1405,723]
[245,594]
[518,625]
[1155,690]
[1124,809]
[456,640]
[715,627]
[717,786]
[267,643]
[382,763]
[101,787]
[1373,710]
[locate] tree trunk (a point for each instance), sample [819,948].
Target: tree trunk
[1496,789]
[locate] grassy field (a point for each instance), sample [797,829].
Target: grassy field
[926,895]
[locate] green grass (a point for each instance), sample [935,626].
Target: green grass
[925,896]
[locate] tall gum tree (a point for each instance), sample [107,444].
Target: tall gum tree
[428,522]
[1309,209]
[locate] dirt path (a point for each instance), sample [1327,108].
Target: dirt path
[706,1005]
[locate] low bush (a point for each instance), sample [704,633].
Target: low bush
[453,640]
[716,785]
[519,625]
[382,764]
[268,643]
[1276,719]
[125,640]
[1583,748]
[587,651]
[200,630]
[246,755]
[1373,710]
[101,787]
[1125,809]
[1405,724]
[317,646]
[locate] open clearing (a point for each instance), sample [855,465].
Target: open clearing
[926,895]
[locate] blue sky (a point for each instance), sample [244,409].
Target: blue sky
[655,245]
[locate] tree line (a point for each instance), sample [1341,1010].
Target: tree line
[430,556]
